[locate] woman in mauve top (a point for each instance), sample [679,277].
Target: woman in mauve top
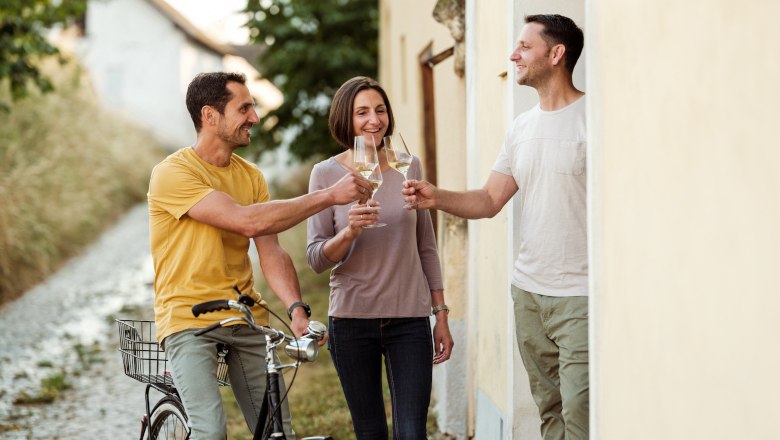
[383,282]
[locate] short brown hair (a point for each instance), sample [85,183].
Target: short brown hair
[340,117]
[561,30]
[210,89]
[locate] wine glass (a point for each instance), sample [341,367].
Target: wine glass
[366,162]
[398,156]
[376,181]
[365,157]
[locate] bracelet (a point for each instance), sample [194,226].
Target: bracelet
[439,308]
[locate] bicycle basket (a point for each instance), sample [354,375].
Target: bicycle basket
[143,358]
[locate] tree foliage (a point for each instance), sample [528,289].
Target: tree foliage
[22,39]
[311,48]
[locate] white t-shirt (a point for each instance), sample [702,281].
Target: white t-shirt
[545,153]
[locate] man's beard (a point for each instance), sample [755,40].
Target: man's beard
[236,139]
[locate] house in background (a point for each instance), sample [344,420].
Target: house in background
[142,54]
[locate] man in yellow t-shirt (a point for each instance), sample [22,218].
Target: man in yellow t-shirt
[205,203]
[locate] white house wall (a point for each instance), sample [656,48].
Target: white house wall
[141,64]
[687,228]
[489,254]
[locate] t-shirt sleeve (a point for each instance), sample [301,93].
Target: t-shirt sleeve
[261,195]
[175,188]
[504,160]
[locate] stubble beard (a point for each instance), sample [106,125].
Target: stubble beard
[236,139]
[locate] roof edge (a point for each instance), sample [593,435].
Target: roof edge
[190,29]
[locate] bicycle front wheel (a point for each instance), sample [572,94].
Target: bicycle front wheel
[168,420]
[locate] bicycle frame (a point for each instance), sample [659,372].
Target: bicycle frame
[301,350]
[147,364]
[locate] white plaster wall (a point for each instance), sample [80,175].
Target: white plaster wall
[139,61]
[686,228]
[491,422]
[450,388]
[489,259]
[406,28]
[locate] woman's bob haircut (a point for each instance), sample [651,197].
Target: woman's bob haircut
[340,117]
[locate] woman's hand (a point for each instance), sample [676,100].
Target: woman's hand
[442,340]
[361,215]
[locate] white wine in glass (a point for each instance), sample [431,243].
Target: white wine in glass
[376,181]
[365,156]
[398,155]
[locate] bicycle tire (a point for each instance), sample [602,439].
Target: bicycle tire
[168,420]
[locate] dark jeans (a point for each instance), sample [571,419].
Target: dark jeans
[357,347]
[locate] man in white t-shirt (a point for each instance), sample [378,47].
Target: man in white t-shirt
[543,157]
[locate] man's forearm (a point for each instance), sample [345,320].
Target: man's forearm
[279,272]
[472,204]
[279,215]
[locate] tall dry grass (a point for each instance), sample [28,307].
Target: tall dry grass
[68,168]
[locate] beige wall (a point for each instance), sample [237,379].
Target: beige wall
[406,28]
[685,230]
[402,37]
[489,264]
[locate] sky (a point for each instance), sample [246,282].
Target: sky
[218,18]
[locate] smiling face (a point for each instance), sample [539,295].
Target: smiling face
[532,56]
[369,115]
[238,118]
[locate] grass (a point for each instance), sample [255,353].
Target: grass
[51,386]
[68,168]
[317,402]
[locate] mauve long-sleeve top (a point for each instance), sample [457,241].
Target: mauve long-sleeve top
[388,272]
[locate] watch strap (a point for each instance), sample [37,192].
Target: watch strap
[297,304]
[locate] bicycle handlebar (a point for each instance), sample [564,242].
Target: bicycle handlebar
[222,304]
[210,306]
[304,349]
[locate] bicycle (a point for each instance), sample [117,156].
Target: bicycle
[144,360]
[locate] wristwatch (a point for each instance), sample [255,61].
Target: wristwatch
[296,304]
[439,308]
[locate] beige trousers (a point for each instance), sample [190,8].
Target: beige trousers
[552,335]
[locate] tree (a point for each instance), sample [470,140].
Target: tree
[311,48]
[22,39]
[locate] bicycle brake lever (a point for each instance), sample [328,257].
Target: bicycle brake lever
[246,300]
[243,298]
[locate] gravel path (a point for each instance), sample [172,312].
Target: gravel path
[65,326]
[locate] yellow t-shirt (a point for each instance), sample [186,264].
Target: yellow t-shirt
[195,262]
